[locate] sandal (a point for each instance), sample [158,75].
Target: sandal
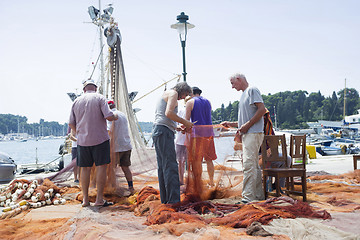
[105,204]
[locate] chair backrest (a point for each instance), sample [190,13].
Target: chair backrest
[270,150]
[298,149]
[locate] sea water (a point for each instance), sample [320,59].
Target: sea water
[224,147]
[47,150]
[42,151]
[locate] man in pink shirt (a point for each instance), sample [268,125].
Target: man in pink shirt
[88,117]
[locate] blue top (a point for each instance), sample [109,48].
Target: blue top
[201,114]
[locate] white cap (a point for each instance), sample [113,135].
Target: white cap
[89,81]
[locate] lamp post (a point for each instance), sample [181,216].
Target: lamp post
[182,26]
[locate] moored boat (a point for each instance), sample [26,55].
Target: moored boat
[7,168]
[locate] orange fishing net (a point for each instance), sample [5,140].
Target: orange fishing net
[231,215]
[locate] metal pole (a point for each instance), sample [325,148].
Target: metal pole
[183,53]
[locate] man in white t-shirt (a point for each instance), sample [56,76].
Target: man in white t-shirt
[122,143]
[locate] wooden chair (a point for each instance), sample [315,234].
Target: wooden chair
[274,142]
[298,154]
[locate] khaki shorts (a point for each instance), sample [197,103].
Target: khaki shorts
[123,158]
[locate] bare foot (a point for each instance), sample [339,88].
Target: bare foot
[85,204]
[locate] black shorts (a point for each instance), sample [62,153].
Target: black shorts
[98,154]
[73,153]
[123,158]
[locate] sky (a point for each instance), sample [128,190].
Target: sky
[47,49]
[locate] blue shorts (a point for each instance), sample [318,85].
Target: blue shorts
[98,154]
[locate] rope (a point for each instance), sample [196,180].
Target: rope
[177,77]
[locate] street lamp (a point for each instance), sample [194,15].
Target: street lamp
[182,26]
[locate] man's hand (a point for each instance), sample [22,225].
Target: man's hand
[238,136]
[188,125]
[245,127]
[225,124]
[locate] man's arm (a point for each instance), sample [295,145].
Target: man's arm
[72,135]
[113,117]
[257,116]
[170,107]
[228,124]
[73,127]
[189,107]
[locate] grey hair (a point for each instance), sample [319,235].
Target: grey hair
[182,87]
[238,75]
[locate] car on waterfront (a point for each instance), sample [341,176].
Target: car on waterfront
[7,168]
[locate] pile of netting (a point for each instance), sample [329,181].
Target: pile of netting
[22,194]
[230,215]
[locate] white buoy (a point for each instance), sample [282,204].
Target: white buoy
[47,195]
[34,199]
[51,191]
[27,194]
[25,207]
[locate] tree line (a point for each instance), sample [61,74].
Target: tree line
[291,109]
[18,124]
[294,109]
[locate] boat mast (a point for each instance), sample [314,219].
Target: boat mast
[102,71]
[344,100]
[275,118]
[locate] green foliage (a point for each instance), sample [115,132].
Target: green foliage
[294,109]
[13,124]
[230,113]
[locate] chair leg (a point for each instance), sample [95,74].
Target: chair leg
[264,185]
[303,187]
[277,184]
[288,185]
[292,183]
